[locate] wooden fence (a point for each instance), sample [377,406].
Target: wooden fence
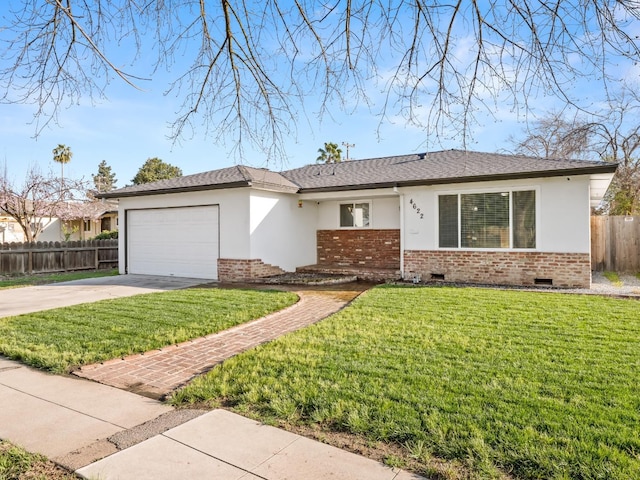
[51,257]
[615,244]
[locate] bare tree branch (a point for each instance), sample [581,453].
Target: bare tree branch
[612,136]
[39,200]
[247,70]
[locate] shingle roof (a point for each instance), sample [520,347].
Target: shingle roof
[449,166]
[231,177]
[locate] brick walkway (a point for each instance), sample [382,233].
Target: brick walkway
[159,372]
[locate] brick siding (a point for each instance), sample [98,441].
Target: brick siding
[500,268]
[236,270]
[359,248]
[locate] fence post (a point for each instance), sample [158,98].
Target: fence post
[65,255]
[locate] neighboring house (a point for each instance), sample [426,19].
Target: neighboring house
[10,230]
[451,215]
[81,221]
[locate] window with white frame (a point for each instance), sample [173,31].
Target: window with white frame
[354,215]
[86,225]
[504,219]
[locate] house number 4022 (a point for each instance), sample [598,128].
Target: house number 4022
[416,208]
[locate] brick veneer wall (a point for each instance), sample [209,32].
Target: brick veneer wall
[235,270]
[359,248]
[500,268]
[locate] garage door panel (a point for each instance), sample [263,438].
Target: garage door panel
[173,241]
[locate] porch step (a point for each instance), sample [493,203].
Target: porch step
[362,273]
[307,278]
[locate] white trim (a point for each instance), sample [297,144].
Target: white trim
[402,230]
[348,194]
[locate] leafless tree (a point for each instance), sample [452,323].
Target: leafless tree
[617,139]
[40,200]
[612,136]
[251,65]
[553,136]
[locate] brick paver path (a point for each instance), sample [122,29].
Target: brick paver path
[159,372]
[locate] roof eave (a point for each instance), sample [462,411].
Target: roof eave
[162,191]
[272,187]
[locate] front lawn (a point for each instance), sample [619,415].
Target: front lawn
[65,338]
[497,383]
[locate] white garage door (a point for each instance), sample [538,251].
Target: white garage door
[181,242]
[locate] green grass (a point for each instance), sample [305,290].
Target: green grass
[18,464]
[613,277]
[42,279]
[63,339]
[529,384]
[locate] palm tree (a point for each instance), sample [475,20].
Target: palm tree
[330,153]
[62,154]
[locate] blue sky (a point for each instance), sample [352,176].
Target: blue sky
[132,125]
[129,128]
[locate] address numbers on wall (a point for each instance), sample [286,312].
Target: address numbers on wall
[416,208]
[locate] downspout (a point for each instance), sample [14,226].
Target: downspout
[401,196]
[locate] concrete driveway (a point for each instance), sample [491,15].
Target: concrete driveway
[15,301]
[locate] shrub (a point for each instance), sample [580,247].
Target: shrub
[107,235]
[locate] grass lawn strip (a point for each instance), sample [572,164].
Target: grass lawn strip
[66,338]
[613,277]
[42,279]
[506,383]
[16,463]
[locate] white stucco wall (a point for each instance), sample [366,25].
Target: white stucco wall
[384,211]
[52,231]
[11,231]
[563,213]
[233,217]
[282,233]
[270,226]
[565,224]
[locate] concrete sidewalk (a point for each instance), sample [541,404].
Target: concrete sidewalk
[66,419]
[223,445]
[75,422]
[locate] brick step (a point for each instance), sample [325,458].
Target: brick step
[239,270]
[362,273]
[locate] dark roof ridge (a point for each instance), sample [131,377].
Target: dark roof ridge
[523,156]
[353,161]
[244,171]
